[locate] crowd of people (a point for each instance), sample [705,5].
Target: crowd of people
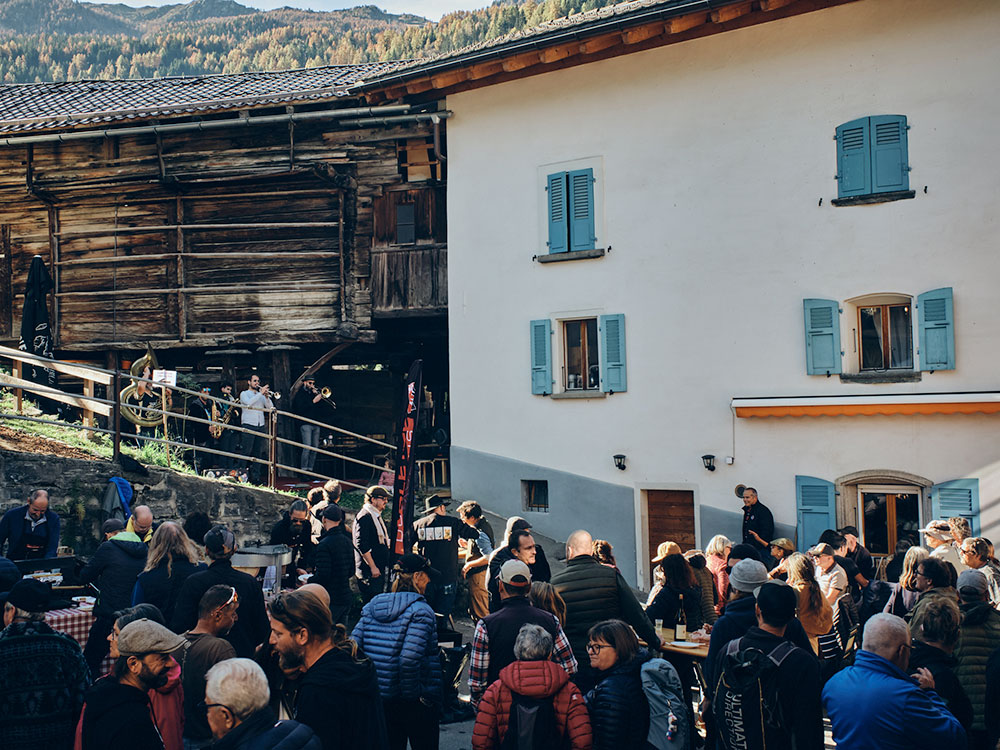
[559,658]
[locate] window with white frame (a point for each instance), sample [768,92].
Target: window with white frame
[590,358]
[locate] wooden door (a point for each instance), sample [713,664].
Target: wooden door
[671,518]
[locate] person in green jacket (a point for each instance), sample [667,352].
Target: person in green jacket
[978,639]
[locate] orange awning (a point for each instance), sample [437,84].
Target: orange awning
[858,406]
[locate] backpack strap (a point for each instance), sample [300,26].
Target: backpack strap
[734,646]
[781,652]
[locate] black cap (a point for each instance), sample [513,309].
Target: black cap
[332,512]
[29,595]
[111,526]
[777,601]
[414,563]
[743,552]
[218,539]
[435,501]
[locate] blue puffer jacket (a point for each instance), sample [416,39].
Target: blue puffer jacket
[874,705]
[619,711]
[398,632]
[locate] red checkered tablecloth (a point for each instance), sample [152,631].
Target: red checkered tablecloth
[76,624]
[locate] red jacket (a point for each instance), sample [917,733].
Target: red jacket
[535,679]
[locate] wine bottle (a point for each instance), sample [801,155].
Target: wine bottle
[680,631]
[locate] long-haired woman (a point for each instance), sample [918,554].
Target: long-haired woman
[544,596]
[171,559]
[904,594]
[814,611]
[717,556]
[678,581]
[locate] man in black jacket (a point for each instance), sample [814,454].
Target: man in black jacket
[113,569]
[593,593]
[295,530]
[117,713]
[251,629]
[758,524]
[333,563]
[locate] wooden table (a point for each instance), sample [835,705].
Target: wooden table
[698,652]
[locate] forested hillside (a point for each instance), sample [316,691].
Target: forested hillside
[55,40]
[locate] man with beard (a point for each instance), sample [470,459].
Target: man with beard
[118,713]
[294,530]
[255,401]
[206,648]
[338,696]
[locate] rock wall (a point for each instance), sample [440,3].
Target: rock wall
[76,488]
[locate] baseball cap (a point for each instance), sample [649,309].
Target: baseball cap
[777,601]
[219,539]
[148,637]
[937,529]
[111,526]
[664,549]
[414,563]
[29,595]
[972,584]
[748,576]
[515,573]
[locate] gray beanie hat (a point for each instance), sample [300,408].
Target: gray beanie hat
[748,576]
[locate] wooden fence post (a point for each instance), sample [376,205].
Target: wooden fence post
[117,418]
[272,448]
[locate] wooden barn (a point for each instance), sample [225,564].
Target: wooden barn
[247,222]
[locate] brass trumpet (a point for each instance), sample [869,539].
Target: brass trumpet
[326,393]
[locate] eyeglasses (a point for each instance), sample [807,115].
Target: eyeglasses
[595,648]
[205,706]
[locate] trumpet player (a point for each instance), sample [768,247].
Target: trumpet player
[307,404]
[256,400]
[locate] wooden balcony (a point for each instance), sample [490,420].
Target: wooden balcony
[409,281]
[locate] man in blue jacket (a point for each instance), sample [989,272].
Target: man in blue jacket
[31,531]
[876,705]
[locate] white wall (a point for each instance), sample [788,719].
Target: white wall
[715,154]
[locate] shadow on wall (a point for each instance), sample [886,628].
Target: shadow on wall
[76,488]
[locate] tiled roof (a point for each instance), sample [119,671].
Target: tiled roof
[49,106]
[578,23]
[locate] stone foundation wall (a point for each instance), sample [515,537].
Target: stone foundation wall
[76,488]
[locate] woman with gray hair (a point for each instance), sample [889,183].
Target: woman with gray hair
[236,699]
[533,683]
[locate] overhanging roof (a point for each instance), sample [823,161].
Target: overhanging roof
[977,402]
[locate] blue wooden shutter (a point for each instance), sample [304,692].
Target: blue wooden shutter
[581,206]
[816,509]
[541,357]
[612,335]
[959,497]
[853,159]
[558,219]
[936,321]
[822,321]
[890,167]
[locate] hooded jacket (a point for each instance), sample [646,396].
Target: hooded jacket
[534,679]
[118,716]
[619,711]
[978,638]
[946,684]
[339,700]
[399,634]
[874,705]
[114,569]
[262,731]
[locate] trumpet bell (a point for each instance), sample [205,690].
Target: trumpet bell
[326,392]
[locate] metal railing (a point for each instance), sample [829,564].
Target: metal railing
[111,408]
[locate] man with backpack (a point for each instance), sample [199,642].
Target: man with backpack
[768,695]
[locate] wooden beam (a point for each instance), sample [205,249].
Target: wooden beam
[729,12]
[599,43]
[485,70]
[444,80]
[396,92]
[75,371]
[520,62]
[774,4]
[642,33]
[65,398]
[684,23]
[419,86]
[559,52]
[314,368]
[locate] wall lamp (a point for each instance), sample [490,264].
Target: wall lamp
[619,461]
[709,460]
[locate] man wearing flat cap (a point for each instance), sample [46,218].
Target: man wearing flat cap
[43,675]
[117,712]
[437,540]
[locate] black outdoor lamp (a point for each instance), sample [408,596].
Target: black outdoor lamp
[620,461]
[709,460]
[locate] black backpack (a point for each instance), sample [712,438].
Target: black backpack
[532,725]
[746,706]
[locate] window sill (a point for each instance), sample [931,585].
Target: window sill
[860,200]
[876,378]
[575,255]
[578,394]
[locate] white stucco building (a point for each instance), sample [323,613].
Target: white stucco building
[729,279]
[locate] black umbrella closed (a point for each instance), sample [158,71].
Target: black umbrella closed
[36,335]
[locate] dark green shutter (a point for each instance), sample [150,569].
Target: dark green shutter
[558,218]
[541,357]
[959,497]
[890,167]
[611,329]
[822,327]
[936,323]
[581,207]
[816,509]
[853,159]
